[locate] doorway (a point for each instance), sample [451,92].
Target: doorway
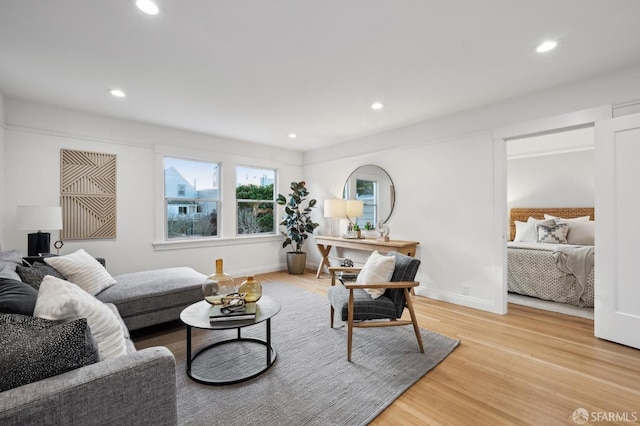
[549,171]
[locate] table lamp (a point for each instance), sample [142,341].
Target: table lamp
[355,208]
[39,218]
[335,209]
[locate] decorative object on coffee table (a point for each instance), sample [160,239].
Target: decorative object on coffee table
[218,285]
[251,288]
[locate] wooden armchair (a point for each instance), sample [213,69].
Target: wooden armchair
[358,309]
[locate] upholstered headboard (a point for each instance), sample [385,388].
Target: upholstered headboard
[523,213]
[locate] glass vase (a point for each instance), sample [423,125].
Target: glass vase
[252,288]
[218,285]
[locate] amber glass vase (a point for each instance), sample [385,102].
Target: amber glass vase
[252,288]
[218,285]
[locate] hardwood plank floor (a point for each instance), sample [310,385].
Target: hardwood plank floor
[529,367]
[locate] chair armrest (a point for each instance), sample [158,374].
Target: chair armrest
[394,284]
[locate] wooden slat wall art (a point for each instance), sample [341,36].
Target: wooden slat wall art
[88,195]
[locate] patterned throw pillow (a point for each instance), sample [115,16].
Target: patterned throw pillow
[556,234]
[34,274]
[33,349]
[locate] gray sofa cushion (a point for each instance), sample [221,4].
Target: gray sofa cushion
[147,292]
[17,297]
[33,349]
[9,260]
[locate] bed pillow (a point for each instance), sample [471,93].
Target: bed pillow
[556,234]
[61,300]
[528,231]
[563,220]
[83,270]
[33,349]
[582,233]
[17,297]
[377,269]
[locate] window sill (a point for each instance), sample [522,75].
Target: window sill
[213,242]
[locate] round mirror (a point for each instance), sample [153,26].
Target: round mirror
[373,186]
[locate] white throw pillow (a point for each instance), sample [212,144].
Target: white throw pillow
[377,269]
[61,300]
[528,232]
[83,270]
[563,220]
[582,233]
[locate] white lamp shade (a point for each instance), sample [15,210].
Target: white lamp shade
[355,208]
[39,218]
[335,208]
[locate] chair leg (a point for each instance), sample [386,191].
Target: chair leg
[349,325]
[331,316]
[413,319]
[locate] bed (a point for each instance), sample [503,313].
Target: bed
[553,271]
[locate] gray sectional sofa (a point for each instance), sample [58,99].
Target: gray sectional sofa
[138,388]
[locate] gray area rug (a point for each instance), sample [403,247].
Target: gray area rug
[311,382]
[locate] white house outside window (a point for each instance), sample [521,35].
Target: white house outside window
[255,198]
[192,198]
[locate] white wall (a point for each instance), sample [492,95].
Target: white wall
[2,172]
[555,180]
[442,170]
[36,133]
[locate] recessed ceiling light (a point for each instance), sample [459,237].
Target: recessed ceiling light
[377,105]
[292,135]
[117,93]
[546,46]
[148,7]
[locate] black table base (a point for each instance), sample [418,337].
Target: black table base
[271,356]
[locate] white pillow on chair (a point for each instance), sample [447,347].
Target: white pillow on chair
[378,269]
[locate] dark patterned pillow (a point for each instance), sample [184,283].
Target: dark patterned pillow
[553,234]
[34,274]
[33,349]
[17,297]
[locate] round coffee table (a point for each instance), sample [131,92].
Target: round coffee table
[197,315]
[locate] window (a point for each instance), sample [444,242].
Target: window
[192,198]
[367,192]
[255,196]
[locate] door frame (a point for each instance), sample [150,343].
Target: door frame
[501,135]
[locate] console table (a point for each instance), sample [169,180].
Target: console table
[369,244]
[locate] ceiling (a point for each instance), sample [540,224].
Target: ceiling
[257,70]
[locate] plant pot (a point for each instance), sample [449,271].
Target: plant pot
[296,262]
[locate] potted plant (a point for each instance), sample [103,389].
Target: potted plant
[298,225]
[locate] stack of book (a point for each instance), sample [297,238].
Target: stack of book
[219,313]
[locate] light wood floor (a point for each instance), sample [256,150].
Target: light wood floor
[529,367]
